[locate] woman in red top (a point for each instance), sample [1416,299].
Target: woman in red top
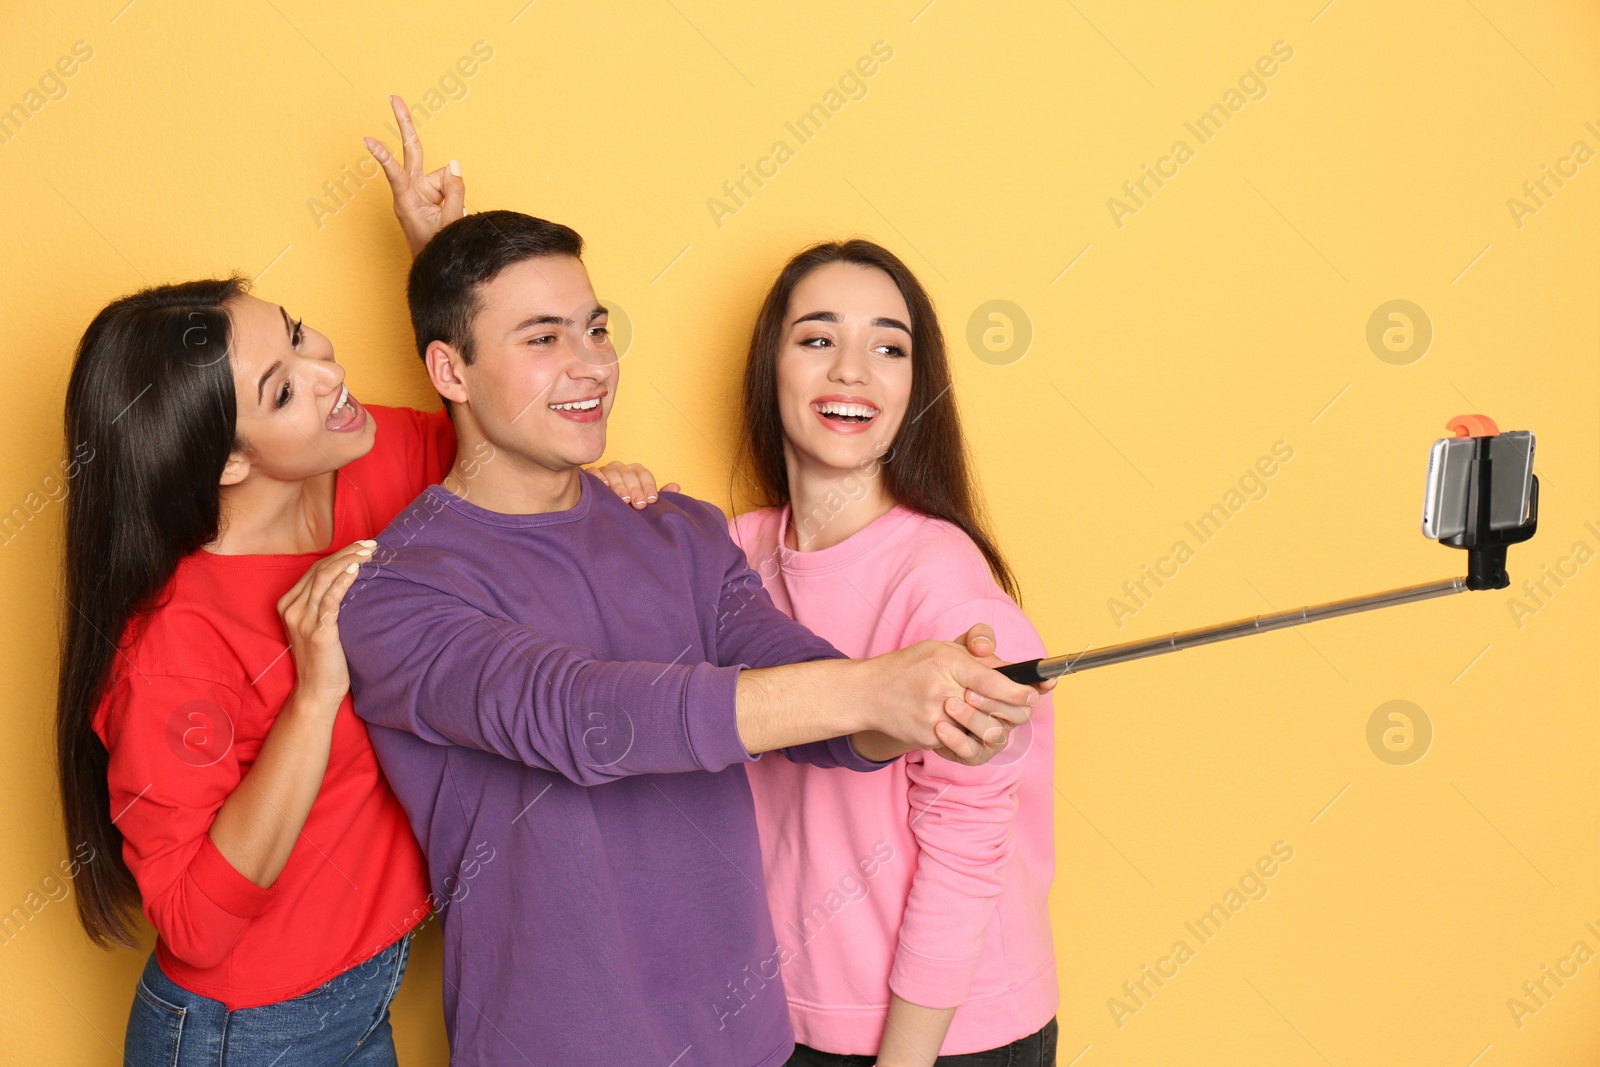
[225,487]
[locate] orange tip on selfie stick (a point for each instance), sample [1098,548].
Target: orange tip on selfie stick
[1481,487]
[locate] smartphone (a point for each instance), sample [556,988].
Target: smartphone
[1511,480]
[1444,504]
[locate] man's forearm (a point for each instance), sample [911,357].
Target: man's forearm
[778,707]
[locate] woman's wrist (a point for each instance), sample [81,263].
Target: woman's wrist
[312,702]
[877,747]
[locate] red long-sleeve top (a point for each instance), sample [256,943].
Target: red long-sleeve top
[199,681]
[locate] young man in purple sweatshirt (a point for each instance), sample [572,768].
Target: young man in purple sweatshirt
[563,693]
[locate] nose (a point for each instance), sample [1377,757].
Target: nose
[329,376]
[850,364]
[596,358]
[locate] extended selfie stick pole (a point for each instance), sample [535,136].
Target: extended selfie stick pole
[1486,569]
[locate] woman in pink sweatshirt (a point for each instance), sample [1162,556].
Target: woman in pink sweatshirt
[909,905]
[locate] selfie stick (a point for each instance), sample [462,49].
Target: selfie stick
[1486,569]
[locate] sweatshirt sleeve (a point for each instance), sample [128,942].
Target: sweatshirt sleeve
[424,661]
[961,818]
[753,632]
[172,765]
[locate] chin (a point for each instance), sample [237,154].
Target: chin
[363,442]
[847,455]
[586,455]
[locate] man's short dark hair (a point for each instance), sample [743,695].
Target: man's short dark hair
[443,287]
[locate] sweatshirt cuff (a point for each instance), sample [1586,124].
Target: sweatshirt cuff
[224,886]
[932,983]
[711,717]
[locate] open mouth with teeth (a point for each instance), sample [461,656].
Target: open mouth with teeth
[845,413]
[585,410]
[347,413]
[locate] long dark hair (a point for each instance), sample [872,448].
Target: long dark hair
[926,468]
[150,423]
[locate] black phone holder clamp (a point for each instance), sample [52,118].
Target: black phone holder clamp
[1486,569]
[1485,545]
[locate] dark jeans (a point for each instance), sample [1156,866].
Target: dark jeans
[1035,1050]
[343,1021]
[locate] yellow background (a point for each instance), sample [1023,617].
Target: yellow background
[1229,313]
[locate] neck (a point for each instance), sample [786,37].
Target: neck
[265,517]
[826,506]
[497,479]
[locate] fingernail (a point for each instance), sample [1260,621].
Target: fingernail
[626,499]
[363,551]
[352,568]
[368,541]
[455,168]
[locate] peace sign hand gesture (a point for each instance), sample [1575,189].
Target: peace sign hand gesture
[424,203]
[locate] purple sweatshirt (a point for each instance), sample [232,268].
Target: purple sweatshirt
[552,699]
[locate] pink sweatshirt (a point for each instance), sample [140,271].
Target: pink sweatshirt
[927,878]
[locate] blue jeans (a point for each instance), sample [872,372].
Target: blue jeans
[343,1021]
[1038,1049]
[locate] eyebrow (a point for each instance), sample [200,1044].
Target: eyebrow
[288,328]
[554,320]
[262,384]
[833,316]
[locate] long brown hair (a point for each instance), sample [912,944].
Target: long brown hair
[926,468]
[150,417]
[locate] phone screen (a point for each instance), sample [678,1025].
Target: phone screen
[1449,491]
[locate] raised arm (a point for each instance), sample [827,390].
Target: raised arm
[425,202]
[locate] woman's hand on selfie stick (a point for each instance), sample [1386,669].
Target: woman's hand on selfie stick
[990,716]
[425,203]
[975,726]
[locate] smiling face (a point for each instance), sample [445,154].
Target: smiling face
[543,374]
[295,416]
[844,367]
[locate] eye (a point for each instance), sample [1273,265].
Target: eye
[816,342]
[890,350]
[294,335]
[599,331]
[542,339]
[284,394]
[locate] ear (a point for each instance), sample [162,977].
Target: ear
[234,471]
[445,371]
